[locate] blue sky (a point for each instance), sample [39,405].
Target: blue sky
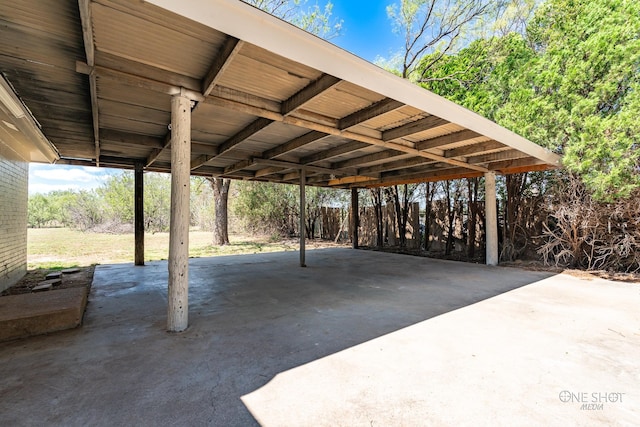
[367,32]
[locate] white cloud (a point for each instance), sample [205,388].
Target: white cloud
[45,178]
[76,174]
[46,188]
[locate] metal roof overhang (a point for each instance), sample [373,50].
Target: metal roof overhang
[268,98]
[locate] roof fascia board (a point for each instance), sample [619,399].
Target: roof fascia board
[37,145]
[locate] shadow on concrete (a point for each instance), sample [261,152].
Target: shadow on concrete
[251,318]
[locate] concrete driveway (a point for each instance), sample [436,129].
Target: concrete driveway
[358,338]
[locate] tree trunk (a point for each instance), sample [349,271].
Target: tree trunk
[429,194]
[401,208]
[473,213]
[451,216]
[377,207]
[220,187]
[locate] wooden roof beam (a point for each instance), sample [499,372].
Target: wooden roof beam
[411,128]
[271,170]
[380,143]
[135,80]
[248,131]
[294,144]
[371,140]
[291,145]
[243,164]
[339,150]
[245,133]
[228,51]
[438,175]
[524,164]
[87,36]
[369,158]
[308,93]
[130,138]
[444,140]
[308,168]
[399,164]
[270,116]
[501,155]
[374,110]
[475,149]
[157,151]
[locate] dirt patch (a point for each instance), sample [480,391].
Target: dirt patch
[84,277]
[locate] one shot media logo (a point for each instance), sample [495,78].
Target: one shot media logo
[591,401]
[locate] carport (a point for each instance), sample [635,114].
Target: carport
[219,88]
[413,342]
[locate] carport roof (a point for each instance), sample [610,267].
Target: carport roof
[268,98]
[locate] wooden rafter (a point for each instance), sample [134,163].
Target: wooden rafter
[271,170]
[275,152]
[308,93]
[398,164]
[268,111]
[436,175]
[228,51]
[444,140]
[246,132]
[87,36]
[519,164]
[155,153]
[411,128]
[500,155]
[475,149]
[374,110]
[293,144]
[368,158]
[339,150]
[372,140]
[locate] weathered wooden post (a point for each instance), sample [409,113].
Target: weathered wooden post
[355,217]
[178,294]
[139,214]
[303,182]
[491,214]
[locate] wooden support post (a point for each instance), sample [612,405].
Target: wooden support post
[139,214]
[355,217]
[491,214]
[178,295]
[303,202]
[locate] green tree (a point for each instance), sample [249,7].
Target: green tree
[157,201]
[315,19]
[87,211]
[580,92]
[117,193]
[267,207]
[40,211]
[433,29]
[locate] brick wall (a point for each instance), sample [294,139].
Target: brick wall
[14,176]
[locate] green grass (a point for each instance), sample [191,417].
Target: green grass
[56,248]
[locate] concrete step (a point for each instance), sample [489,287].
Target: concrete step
[38,313]
[47,284]
[42,286]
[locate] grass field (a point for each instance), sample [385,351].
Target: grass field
[63,247]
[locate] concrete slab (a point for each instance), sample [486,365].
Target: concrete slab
[356,338]
[26,315]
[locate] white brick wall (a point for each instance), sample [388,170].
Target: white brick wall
[14,176]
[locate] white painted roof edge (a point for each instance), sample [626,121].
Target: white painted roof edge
[33,142]
[254,26]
